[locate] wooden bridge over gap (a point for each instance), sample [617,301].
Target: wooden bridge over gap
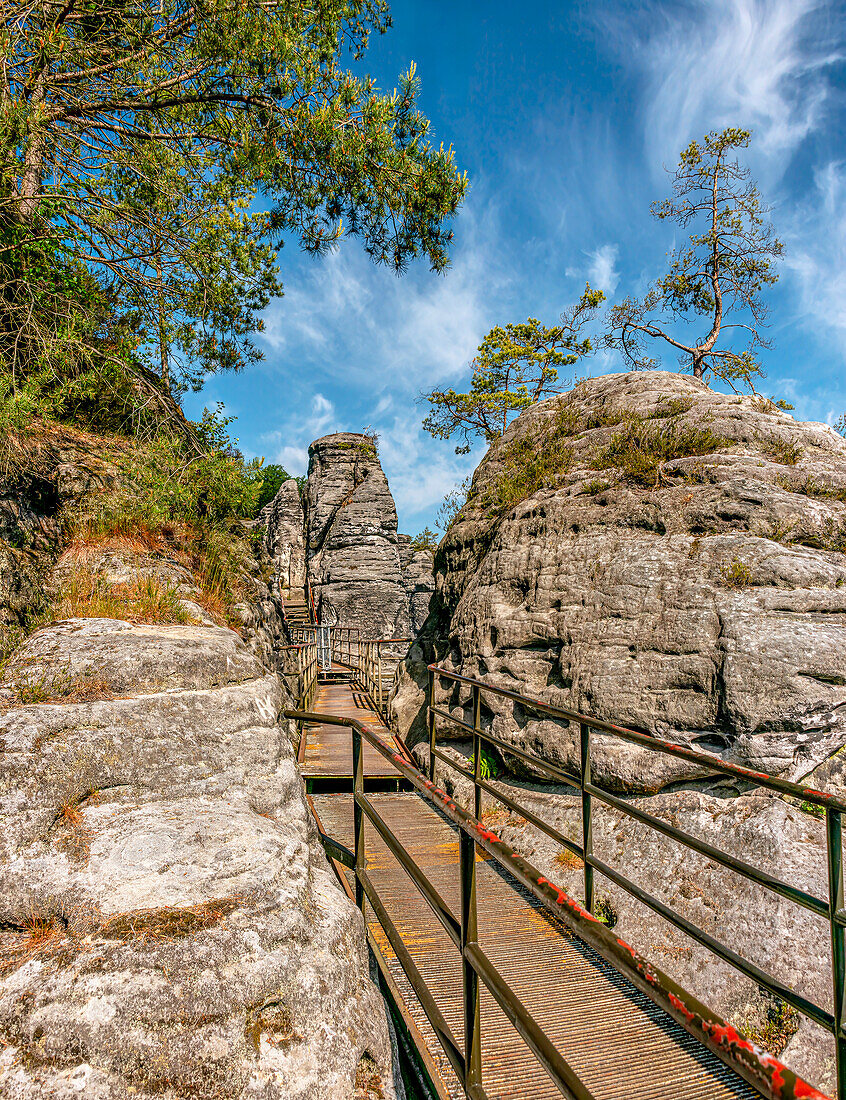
[502,986]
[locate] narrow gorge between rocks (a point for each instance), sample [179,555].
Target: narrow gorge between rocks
[174,921]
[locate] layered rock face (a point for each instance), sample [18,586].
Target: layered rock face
[284,519]
[671,559]
[418,580]
[169,925]
[351,538]
[705,603]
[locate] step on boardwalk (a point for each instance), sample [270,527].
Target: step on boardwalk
[622,1045]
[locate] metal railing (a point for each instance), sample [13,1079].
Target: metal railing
[378,669]
[762,1070]
[831,908]
[302,661]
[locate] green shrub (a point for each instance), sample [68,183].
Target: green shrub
[426,540]
[780,450]
[671,406]
[810,487]
[489,765]
[640,448]
[736,574]
[270,481]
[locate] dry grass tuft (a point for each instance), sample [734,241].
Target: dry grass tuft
[29,689]
[38,938]
[88,595]
[167,922]
[73,838]
[368,1080]
[569,860]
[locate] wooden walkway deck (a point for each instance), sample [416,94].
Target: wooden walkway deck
[622,1045]
[326,751]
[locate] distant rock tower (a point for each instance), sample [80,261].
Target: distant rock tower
[352,555]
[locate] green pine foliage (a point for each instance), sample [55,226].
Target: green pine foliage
[513,368]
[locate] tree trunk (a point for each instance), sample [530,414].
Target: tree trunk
[33,161]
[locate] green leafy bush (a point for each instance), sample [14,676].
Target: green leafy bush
[736,574]
[271,479]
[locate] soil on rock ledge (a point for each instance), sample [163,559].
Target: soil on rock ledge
[701,598]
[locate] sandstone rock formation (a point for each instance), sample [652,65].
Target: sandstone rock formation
[352,555]
[285,540]
[418,580]
[169,925]
[701,598]
[672,559]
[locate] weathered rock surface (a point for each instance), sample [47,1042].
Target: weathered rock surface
[169,926]
[418,579]
[39,477]
[352,553]
[709,608]
[284,519]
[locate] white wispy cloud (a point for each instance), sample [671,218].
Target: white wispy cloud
[288,443]
[751,63]
[360,323]
[420,470]
[602,271]
[816,252]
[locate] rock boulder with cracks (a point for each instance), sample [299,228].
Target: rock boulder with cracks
[661,556]
[169,926]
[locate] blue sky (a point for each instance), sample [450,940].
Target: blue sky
[564,116]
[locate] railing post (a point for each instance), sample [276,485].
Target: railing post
[834,844]
[431,717]
[587,829]
[358,815]
[379,674]
[470,983]
[477,751]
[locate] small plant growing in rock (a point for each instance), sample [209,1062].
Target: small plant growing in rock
[736,574]
[604,911]
[783,451]
[640,448]
[426,540]
[779,1026]
[569,860]
[779,530]
[671,406]
[489,766]
[597,486]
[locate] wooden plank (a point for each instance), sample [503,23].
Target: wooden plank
[619,1042]
[328,749]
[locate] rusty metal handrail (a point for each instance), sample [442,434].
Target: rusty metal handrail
[831,909]
[763,1071]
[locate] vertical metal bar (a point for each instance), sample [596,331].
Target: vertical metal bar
[431,726]
[470,983]
[587,826]
[358,816]
[379,673]
[834,844]
[477,750]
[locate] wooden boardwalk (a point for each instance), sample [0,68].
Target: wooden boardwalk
[619,1042]
[326,751]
